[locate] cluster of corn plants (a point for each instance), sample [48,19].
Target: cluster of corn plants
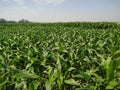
[60,56]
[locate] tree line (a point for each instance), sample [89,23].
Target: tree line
[20,21]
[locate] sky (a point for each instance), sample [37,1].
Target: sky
[61,10]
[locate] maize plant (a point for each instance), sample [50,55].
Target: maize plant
[59,56]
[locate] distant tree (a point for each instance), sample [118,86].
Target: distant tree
[24,21]
[6,21]
[2,20]
[11,22]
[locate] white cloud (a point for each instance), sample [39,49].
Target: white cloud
[48,1]
[19,2]
[45,2]
[4,0]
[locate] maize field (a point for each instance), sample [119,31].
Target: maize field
[59,56]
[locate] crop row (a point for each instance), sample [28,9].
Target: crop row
[59,56]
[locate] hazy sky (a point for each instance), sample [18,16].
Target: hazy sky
[60,10]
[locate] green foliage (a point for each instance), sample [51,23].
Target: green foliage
[60,56]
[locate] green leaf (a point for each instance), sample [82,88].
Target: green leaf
[1,66]
[36,84]
[111,85]
[29,65]
[97,78]
[1,79]
[71,68]
[72,82]
[33,59]
[117,62]
[48,85]
[2,82]
[35,49]
[22,84]
[1,58]
[116,54]
[87,88]
[25,74]
[83,75]
[31,86]
[110,69]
